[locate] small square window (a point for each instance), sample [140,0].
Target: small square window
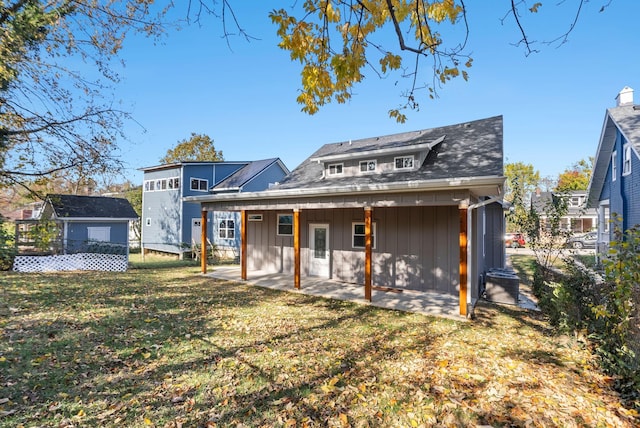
[226,229]
[285,224]
[336,169]
[359,236]
[404,162]
[368,166]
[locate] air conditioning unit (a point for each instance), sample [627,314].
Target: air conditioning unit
[502,286]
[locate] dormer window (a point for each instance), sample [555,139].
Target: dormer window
[368,166]
[403,162]
[336,169]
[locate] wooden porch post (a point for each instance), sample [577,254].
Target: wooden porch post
[463,260]
[296,248]
[243,245]
[203,242]
[367,252]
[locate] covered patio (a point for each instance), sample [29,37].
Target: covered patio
[427,303]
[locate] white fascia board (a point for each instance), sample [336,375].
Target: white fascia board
[602,159]
[102,219]
[397,187]
[377,152]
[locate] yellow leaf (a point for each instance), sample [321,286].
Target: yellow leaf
[147,421]
[344,420]
[80,413]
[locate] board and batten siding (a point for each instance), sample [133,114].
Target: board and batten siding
[416,248]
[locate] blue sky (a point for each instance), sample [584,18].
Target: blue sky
[243,95]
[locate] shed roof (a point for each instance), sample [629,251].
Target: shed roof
[78,206]
[245,174]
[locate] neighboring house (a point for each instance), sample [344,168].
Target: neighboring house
[577,219]
[172,226]
[417,211]
[91,221]
[614,189]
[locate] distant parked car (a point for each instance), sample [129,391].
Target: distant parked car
[514,240]
[587,240]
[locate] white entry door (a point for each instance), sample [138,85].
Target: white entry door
[196,230]
[319,253]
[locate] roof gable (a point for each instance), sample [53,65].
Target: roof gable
[626,120]
[77,206]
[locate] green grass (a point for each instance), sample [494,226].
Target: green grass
[166,346]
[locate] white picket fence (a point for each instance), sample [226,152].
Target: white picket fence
[71,262]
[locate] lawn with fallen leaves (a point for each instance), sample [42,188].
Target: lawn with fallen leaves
[168,347]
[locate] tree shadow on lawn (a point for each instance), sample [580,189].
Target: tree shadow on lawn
[190,349]
[124,338]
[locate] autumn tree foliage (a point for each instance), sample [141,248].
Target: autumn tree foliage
[56,71]
[199,147]
[577,177]
[58,64]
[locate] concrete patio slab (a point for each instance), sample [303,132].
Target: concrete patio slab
[427,303]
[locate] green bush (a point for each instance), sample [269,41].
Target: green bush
[7,247]
[608,308]
[617,311]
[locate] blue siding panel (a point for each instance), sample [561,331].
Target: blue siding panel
[270,175]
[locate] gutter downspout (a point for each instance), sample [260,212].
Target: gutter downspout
[470,234]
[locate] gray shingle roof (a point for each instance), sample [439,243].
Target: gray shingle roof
[471,149]
[76,206]
[625,118]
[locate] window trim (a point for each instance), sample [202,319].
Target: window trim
[373,234]
[104,231]
[284,224]
[227,229]
[614,167]
[199,186]
[366,165]
[626,159]
[335,166]
[404,168]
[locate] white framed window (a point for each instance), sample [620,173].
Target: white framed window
[199,184]
[336,169]
[358,237]
[403,162]
[99,234]
[173,183]
[368,166]
[255,217]
[227,229]
[614,166]
[626,159]
[285,224]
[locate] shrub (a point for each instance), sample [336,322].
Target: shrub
[7,247]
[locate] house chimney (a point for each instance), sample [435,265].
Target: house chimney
[625,97]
